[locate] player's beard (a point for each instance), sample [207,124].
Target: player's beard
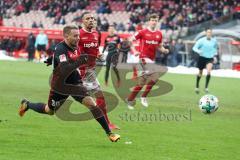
[90,27]
[74,44]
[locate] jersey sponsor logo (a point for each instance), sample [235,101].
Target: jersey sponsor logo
[84,37]
[151,42]
[62,58]
[90,45]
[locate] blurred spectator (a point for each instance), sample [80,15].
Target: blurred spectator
[51,13]
[164,25]
[237,10]
[10,46]
[162,58]
[30,46]
[34,24]
[56,20]
[40,25]
[134,18]
[172,56]
[131,27]
[129,5]
[180,48]
[27,5]
[18,45]
[105,24]
[104,7]
[120,27]
[1,20]
[62,21]
[4,43]
[19,9]
[77,18]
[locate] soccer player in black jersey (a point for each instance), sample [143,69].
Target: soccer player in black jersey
[65,58]
[112,42]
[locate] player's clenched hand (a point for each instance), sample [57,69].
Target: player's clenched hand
[100,57]
[166,51]
[48,61]
[83,58]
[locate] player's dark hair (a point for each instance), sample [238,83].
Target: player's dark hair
[112,25]
[153,16]
[83,14]
[67,29]
[208,28]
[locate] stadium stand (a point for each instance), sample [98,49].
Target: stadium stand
[173,14]
[179,18]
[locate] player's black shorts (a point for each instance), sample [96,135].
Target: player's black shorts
[112,58]
[55,100]
[41,47]
[202,62]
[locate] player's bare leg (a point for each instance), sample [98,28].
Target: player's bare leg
[99,116]
[209,69]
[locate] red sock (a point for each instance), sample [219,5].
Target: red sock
[148,88]
[134,93]
[102,105]
[135,72]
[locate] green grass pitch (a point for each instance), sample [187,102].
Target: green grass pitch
[194,136]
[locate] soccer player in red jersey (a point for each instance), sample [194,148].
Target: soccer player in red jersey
[150,40]
[89,44]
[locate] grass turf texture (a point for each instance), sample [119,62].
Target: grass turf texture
[36,136]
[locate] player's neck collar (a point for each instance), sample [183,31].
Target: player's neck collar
[86,30]
[148,28]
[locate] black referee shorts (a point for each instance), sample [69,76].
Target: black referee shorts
[202,62]
[41,47]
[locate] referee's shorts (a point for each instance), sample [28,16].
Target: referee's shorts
[203,61]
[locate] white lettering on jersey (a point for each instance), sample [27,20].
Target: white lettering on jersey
[151,42]
[89,45]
